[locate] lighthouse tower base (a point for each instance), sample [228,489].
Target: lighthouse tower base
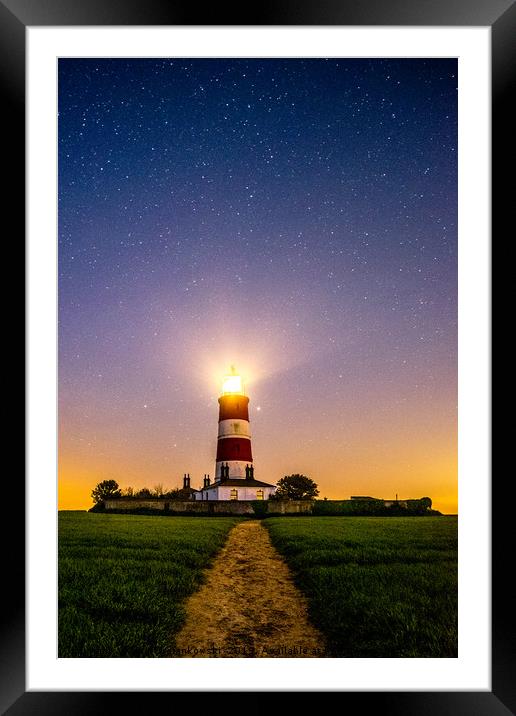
[237,469]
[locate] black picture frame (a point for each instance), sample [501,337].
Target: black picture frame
[500,16]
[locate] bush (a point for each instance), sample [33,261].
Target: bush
[260,508]
[98,507]
[348,507]
[361,508]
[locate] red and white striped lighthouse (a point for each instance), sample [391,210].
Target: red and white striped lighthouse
[234,457]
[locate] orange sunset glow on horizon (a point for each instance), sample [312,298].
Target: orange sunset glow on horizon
[405,460]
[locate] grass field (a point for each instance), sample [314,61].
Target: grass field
[376,586]
[122,579]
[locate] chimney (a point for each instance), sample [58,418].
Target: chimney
[188,479]
[207,480]
[185,484]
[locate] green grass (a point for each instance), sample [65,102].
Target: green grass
[123,579]
[376,586]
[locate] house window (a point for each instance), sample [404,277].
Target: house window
[259,494]
[233,495]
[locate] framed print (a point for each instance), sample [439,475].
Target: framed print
[277,217]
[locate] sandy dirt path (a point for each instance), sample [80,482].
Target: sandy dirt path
[249,605]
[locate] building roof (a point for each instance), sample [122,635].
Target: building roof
[237,482]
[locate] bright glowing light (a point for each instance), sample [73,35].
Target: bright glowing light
[232,384]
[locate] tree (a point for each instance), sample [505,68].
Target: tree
[144,492]
[296,487]
[174,492]
[104,490]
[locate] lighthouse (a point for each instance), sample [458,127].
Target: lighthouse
[234,452]
[234,468]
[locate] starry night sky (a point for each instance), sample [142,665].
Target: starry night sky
[296,218]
